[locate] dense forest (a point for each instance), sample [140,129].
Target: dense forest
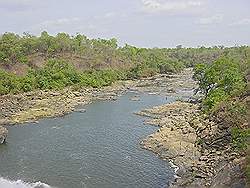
[29,62]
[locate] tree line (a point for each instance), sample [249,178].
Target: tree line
[29,62]
[225,88]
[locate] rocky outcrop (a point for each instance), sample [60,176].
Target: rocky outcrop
[176,138]
[199,147]
[174,85]
[187,138]
[31,106]
[3,134]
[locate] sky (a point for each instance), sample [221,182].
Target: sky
[143,23]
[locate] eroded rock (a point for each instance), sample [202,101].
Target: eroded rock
[199,147]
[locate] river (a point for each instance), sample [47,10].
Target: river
[98,148]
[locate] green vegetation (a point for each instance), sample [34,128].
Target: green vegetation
[225,88]
[53,62]
[44,62]
[30,62]
[219,81]
[239,137]
[57,74]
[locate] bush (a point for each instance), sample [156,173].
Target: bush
[27,83]
[55,75]
[170,66]
[9,83]
[232,113]
[240,138]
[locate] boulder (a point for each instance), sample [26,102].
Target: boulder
[3,134]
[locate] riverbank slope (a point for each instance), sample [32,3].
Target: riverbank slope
[199,148]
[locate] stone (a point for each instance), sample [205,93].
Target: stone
[77,94]
[135,98]
[218,152]
[54,93]
[80,110]
[3,134]
[203,158]
[200,175]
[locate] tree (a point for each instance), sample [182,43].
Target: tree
[219,80]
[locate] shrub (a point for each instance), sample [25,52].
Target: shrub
[240,138]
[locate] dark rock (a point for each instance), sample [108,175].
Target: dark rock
[135,98]
[200,175]
[3,135]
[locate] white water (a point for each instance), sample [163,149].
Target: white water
[5,183]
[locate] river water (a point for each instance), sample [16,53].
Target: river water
[98,148]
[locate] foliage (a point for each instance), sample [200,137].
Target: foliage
[219,81]
[94,62]
[240,137]
[57,74]
[223,84]
[99,62]
[232,112]
[11,50]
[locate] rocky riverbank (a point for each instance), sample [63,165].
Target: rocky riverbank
[199,147]
[32,106]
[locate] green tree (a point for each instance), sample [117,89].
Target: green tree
[219,80]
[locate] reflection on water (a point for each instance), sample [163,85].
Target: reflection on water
[98,148]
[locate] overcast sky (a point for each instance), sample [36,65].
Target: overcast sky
[144,23]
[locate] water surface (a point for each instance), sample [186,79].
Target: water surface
[98,148]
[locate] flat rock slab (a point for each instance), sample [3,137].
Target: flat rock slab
[3,134]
